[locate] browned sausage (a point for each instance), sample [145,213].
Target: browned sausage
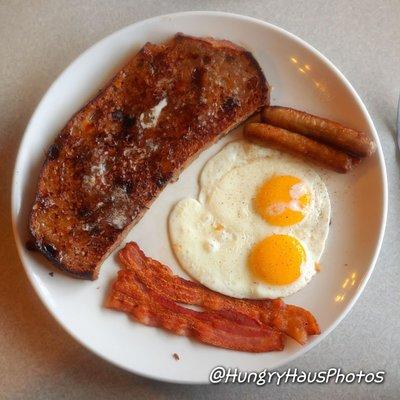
[321,129]
[299,145]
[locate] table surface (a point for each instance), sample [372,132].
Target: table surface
[38,39]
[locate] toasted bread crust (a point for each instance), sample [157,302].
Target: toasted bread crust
[119,151]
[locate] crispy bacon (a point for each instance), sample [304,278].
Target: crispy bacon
[217,328]
[294,321]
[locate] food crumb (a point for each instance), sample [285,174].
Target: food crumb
[176,357]
[317,266]
[30,245]
[51,274]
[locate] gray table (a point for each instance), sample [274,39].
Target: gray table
[38,40]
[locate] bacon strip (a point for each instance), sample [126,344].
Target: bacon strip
[294,321]
[214,328]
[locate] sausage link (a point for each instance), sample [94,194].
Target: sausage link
[298,145]
[324,130]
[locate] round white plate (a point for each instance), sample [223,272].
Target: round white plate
[300,77]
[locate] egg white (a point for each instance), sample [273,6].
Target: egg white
[212,237]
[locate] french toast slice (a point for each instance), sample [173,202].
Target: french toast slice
[119,151]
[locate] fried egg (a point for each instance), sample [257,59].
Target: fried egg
[259,225]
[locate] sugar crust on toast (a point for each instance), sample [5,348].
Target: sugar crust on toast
[116,154]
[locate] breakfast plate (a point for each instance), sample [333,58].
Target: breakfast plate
[301,78]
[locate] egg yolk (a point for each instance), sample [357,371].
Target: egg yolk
[277,259]
[282,200]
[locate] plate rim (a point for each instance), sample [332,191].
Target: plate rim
[315,52]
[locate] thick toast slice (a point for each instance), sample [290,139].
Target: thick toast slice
[119,151]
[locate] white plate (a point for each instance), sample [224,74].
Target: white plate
[301,77]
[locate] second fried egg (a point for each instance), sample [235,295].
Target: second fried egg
[259,225]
